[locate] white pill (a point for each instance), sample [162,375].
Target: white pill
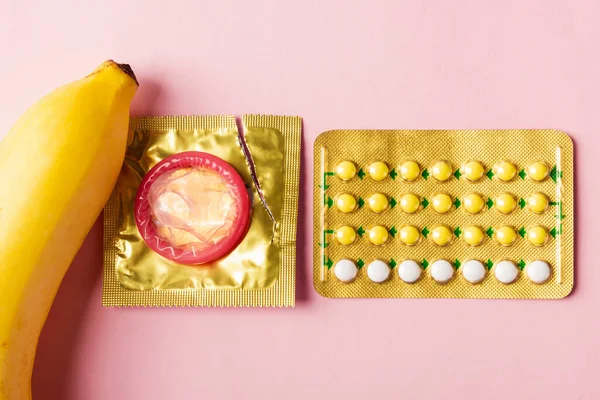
[409,271]
[345,270]
[473,271]
[506,271]
[378,271]
[442,271]
[538,271]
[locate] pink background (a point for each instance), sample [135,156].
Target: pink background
[338,64]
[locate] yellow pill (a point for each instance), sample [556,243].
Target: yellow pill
[473,171]
[409,171]
[506,203]
[505,170]
[409,235]
[506,235]
[537,235]
[409,203]
[441,203]
[345,170]
[473,235]
[378,171]
[378,235]
[537,203]
[537,171]
[345,202]
[345,235]
[441,235]
[378,202]
[441,171]
[473,203]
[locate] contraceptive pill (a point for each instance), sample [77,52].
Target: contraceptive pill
[409,203]
[409,171]
[378,171]
[442,271]
[473,271]
[409,271]
[473,171]
[378,271]
[506,272]
[538,271]
[345,170]
[345,270]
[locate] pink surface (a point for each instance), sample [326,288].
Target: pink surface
[394,64]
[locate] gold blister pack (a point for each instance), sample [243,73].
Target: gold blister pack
[543,169]
[260,271]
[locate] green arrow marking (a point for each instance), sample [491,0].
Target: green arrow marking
[489,264]
[361,174]
[457,174]
[327,262]
[393,202]
[561,217]
[521,264]
[456,203]
[393,231]
[361,202]
[555,174]
[325,175]
[522,174]
[393,263]
[522,232]
[424,203]
[324,244]
[425,232]
[522,203]
[425,263]
[553,232]
[360,231]
[490,231]
[425,174]
[360,263]
[489,203]
[457,231]
[456,264]
[489,174]
[393,174]
[328,201]
[553,203]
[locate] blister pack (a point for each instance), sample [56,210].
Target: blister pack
[448,213]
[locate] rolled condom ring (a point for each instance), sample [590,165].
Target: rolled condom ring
[192,208]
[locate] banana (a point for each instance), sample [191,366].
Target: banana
[58,165]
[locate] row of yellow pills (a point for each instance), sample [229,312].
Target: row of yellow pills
[442,235]
[442,170]
[472,203]
[443,271]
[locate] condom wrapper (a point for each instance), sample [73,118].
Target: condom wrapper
[443,214]
[209,249]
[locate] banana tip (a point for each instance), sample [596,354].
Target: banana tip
[127,69]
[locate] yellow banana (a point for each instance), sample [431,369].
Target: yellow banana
[58,165]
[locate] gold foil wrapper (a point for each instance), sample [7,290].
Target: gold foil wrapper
[457,147]
[260,271]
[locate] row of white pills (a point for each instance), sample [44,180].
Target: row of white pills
[442,271]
